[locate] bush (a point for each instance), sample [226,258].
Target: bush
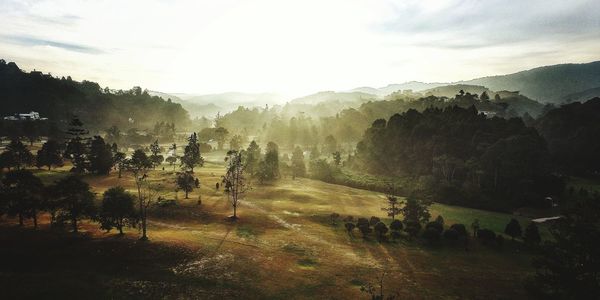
[396,234]
[461,229]
[349,227]
[381,229]
[513,229]
[486,236]
[500,241]
[432,235]
[349,219]
[532,235]
[412,228]
[396,225]
[365,230]
[439,228]
[374,220]
[451,234]
[362,221]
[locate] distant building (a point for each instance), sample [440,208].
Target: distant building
[32,115]
[488,113]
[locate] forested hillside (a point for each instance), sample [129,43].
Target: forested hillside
[60,99]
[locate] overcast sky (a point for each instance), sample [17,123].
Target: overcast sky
[293,47]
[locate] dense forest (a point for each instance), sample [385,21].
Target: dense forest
[58,99]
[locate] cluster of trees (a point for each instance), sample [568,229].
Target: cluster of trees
[68,201]
[572,132]
[464,157]
[60,98]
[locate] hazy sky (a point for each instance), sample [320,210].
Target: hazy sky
[293,47]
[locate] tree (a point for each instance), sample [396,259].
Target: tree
[16,155]
[49,155]
[475,227]
[117,209]
[268,169]
[337,158]
[77,150]
[139,164]
[415,211]
[513,229]
[349,227]
[532,235]
[172,160]
[440,220]
[23,192]
[298,166]
[76,199]
[186,182]
[392,208]
[484,96]
[220,135]
[120,161]
[156,158]
[100,156]
[234,179]
[330,144]
[252,158]
[569,264]
[236,142]
[191,154]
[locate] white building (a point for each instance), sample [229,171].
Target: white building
[32,115]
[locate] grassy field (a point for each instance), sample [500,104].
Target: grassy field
[283,246]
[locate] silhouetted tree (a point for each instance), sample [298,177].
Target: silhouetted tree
[532,235]
[49,155]
[23,193]
[513,229]
[156,158]
[117,209]
[76,199]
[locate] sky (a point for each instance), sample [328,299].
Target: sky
[293,47]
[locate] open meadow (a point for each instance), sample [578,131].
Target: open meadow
[283,246]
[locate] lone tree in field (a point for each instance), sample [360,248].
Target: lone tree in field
[191,154]
[139,164]
[234,180]
[392,208]
[156,158]
[16,155]
[187,182]
[117,210]
[298,166]
[23,193]
[76,199]
[49,155]
[513,229]
[532,235]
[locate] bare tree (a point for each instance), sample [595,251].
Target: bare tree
[374,292]
[234,180]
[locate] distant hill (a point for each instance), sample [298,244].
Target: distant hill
[452,90]
[343,97]
[58,99]
[582,96]
[415,86]
[549,84]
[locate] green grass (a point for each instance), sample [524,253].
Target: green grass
[283,246]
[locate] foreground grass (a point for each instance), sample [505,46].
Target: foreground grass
[283,246]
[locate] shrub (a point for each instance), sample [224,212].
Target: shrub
[381,229]
[451,234]
[532,235]
[349,226]
[412,228]
[440,220]
[362,221]
[513,229]
[374,220]
[349,219]
[500,241]
[461,229]
[432,235]
[435,226]
[396,235]
[334,217]
[486,235]
[365,230]
[396,225]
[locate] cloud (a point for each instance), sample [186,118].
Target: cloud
[33,41]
